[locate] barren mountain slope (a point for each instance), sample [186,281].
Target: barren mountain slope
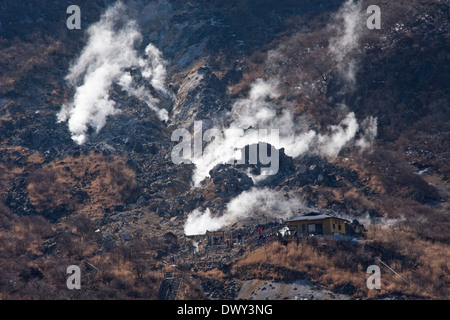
[87,119]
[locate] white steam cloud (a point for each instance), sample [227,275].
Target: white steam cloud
[348,26]
[368,221]
[259,111]
[110,51]
[256,112]
[370,130]
[265,202]
[339,136]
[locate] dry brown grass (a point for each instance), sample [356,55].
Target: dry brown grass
[214,274]
[303,258]
[127,271]
[424,264]
[107,182]
[19,60]
[47,190]
[13,169]
[190,289]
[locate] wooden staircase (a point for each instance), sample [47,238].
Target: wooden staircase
[170,285]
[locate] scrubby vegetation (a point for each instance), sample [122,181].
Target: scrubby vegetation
[34,256]
[92,183]
[342,265]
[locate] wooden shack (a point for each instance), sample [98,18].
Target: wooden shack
[319,224]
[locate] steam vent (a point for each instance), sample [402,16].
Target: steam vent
[233,157]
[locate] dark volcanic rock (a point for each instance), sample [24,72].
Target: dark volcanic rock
[318,171]
[230,180]
[256,164]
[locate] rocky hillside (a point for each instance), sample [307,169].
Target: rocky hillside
[89,121]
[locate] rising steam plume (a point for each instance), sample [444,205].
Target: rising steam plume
[260,110]
[266,202]
[348,27]
[246,113]
[110,51]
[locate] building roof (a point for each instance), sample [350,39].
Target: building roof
[311,218]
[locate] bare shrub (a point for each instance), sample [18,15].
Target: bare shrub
[7,219]
[91,182]
[47,191]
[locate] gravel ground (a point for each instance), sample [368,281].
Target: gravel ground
[274,290]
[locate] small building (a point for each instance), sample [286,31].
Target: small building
[318,224]
[215,237]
